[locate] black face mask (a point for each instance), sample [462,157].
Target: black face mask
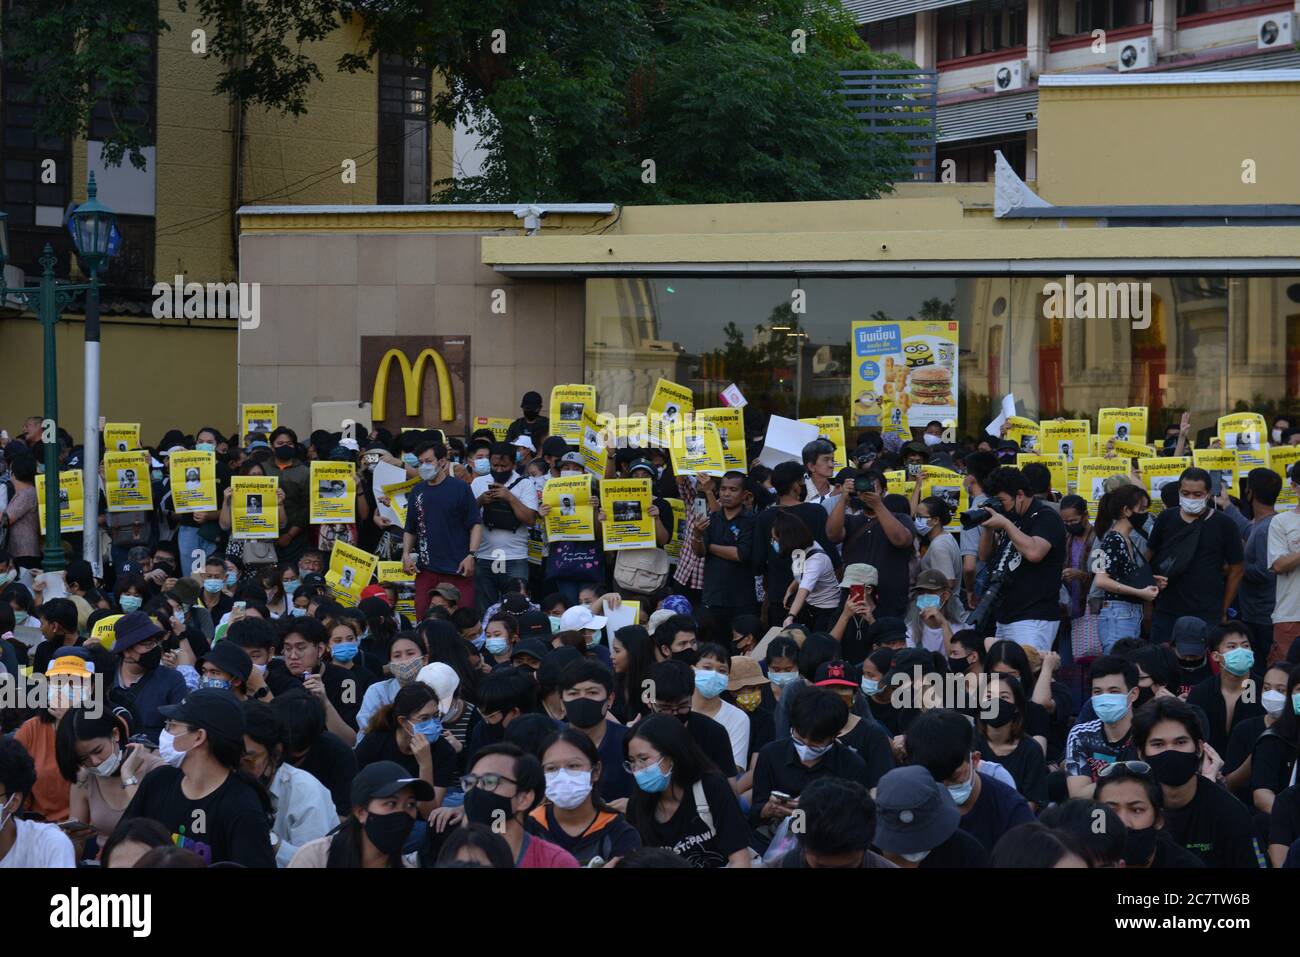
[584,712]
[1005,713]
[1139,846]
[494,733]
[688,655]
[1174,768]
[958,666]
[284,453]
[388,832]
[482,807]
[1191,664]
[1144,695]
[501,477]
[151,659]
[1074,528]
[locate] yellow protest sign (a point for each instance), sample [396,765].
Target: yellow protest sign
[72,501]
[1068,437]
[670,402]
[1023,432]
[1132,450]
[731,433]
[121,436]
[592,447]
[1222,466]
[1158,472]
[1056,464]
[194,481]
[831,428]
[1242,431]
[945,484]
[1125,425]
[1280,459]
[350,571]
[571,517]
[391,573]
[333,490]
[697,448]
[568,402]
[1091,474]
[536,543]
[897,483]
[397,495]
[254,507]
[500,427]
[676,525]
[626,504]
[105,631]
[127,486]
[259,418]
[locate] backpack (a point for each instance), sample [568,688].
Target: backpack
[641,570]
[499,516]
[706,815]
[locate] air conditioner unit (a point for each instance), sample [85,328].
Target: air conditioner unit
[1137,54]
[1273,32]
[1011,76]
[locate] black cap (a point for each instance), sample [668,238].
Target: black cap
[531,400]
[384,779]
[230,658]
[548,675]
[555,445]
[908,660]
[885,630]
[534,647]
[310,579]
[215,710]
[535,624]
[1191,636]
[514,603]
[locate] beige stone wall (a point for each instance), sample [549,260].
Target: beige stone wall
[322,291]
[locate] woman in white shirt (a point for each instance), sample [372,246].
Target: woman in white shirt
[712,677]
[813,597]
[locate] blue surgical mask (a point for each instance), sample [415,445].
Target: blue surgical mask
[291,586]
[296,612]
[776,547]
[231,579]
[496,646]
[156,475]
[410,459]
[555,623]
[1110,707]
[478,642]
[482,466]
[1295,703]
[782,678]
[212,585]
[204,447]
[130,603]
[430,728]
[710,684]
[344,652]
[1238,661]
[922,526]
[428,471]
[961,792]
[519,455]
[221,683]
[652,780]
[870,686]
[927,601]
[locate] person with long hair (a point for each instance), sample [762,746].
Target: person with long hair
[446,645]
[202,795]
[682,802]
[1130,789]
[633,655]
[1001,738]
[385,805]
[93,756]
[813,596]
[249,553]
[1273,759]
[1122,570]
[132,840]
[1007,657]
[408,652]
[574,816]
[408,733]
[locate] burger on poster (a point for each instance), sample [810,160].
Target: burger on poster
[931,385]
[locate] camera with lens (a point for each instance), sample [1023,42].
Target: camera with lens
[978,516]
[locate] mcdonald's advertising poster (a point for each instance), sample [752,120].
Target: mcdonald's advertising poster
[417,382]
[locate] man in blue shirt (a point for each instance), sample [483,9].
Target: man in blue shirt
[140,681]
[443,529]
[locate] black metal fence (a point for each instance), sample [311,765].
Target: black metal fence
[901,103]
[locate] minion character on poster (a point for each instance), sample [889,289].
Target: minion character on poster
[909,365]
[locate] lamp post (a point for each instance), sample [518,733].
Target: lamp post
[49,299]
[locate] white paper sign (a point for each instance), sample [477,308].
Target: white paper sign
[785,441]
[994,428]
[56,586]
[615,618]
[731,397]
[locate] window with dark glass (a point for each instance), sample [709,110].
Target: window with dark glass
[1188,8]
[1083,16]
[974,161]
[140,115]
[896,35]
[983,27]
[404,95]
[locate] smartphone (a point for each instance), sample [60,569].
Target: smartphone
[239,606]
[857,593]
[370,458]
[74,825]
[142,740]
[779,796]
[699,507]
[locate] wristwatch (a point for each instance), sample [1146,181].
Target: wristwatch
[261,692]
[130,782]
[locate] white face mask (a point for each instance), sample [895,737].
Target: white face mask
[106,768]
[931,440]
[1192,506]
[1277,436]
[7,577]
[167,749]
[1273,702]
[568,789]
[916,858]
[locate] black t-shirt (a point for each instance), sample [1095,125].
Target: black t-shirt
[1241,742]
[997,809]
[1169,854]
[727,583]
[776,567]
[1199,590]
[1270,768]
[779,769]
[686,834]
[47,651]
[332,763]
[1284,822]
[1190,678]
[537,429]
[1026,764]
[1214,826]
[382,746]
[870,740]
[230,824]
[713,740]
[1208,696]
[346,688]
[960,850]
[1033,589]
[865,542]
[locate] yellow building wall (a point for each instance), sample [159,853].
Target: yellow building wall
[162,375]
[1167,145]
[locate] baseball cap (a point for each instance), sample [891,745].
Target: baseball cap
[642,464]
[535,624]
[448,591]
[1191,636]
[384,779]
[555,445]
[374,591]
[134,628]
[314,579]
[914,812]
[531,400]
[215,710]
[572,458]
[580,618]
[533,647]
[745,673]
[839,672]
[230,658]
[70,665]
[885,630]
[658,618]
[908,660]
[524,441]
[514,603]
[931,579]
[678,605]
[859,574]
[444,681]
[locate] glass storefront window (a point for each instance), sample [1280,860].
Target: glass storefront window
[1214,344]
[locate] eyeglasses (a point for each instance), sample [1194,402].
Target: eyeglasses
[1139,768]
[681,707]
[171,728]
[632,767]
[488,782]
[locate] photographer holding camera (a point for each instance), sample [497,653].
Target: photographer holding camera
[876,538]
[1028,610]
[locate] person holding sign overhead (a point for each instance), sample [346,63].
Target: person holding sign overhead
[444,529]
